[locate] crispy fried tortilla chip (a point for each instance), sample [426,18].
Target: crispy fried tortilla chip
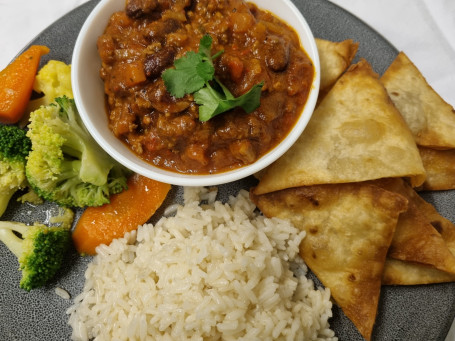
[444,226]
[415,238]
[355,134]
[397,272]
[335,58]
[430,118]
[440,169]
[349,230]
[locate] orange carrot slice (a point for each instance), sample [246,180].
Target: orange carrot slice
[16,83]
[126,211]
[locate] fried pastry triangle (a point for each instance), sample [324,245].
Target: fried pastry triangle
[430,118]
[440,169]
[335,58]
[349,228]
[444,226]
[398,272]
[355,134]
[416,239]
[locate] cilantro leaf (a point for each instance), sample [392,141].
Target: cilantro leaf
[212,102]
[205,46]
[189,75]
[192,75]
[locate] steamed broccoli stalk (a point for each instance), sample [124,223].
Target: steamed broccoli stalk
[40,249]
[14,147]
[31,197]
[66,165]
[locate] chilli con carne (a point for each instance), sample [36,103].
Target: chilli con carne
[146,38]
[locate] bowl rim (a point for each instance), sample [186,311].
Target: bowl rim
[185,179]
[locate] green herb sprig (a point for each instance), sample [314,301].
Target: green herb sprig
[194,73]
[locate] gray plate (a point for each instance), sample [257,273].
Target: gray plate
[405,313]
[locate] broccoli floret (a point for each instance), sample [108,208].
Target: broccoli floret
[66,165]
[40,249]
[14,147]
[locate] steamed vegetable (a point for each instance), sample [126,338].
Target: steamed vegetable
[127,210]
[66,165]
[14,147]
[53,80]
[16,83]
[40,249]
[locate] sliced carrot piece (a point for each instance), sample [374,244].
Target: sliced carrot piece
[16,83]
[126,211]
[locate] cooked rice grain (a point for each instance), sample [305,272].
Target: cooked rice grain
[212,272]
[62,293]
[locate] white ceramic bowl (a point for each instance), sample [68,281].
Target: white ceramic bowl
[88,92]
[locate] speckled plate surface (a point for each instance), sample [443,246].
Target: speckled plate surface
[419,313]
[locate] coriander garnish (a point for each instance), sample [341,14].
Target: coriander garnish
[194,73]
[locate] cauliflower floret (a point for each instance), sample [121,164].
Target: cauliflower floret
[53,80]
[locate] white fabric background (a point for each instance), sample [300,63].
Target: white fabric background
[423,29]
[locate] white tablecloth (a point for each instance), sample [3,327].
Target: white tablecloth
[423,29]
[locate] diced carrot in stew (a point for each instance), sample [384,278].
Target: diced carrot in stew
[133,74]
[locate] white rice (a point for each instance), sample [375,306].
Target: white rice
[211,272]
[62,293]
